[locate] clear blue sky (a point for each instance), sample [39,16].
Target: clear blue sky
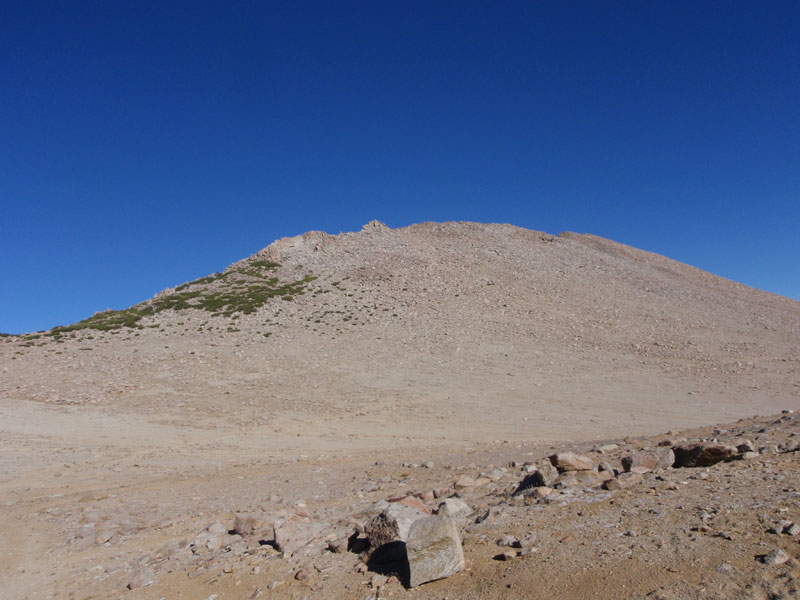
[145,144]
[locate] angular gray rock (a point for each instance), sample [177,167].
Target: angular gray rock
[434,550]
[455,508]
[776,557]
[546,475]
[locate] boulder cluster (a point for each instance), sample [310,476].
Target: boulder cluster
[418,537]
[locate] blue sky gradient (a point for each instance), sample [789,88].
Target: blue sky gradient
[146,145]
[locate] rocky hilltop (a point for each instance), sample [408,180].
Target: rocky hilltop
[309,388]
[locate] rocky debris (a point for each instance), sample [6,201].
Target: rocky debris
[295,532]
[538,493]
[545,475]
[464,482]
[510,541]
[569,461]
[252,524]
[745,446]
[579,479]
[494,475]
[411,502]
[605,467]
[623,481]
[455,508]
[142,577]
[644,462]
[607,448]
[392,524]
[785,526]
[702,454]
[434,550]
[776,557]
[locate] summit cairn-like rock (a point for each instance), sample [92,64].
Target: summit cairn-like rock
[434,550]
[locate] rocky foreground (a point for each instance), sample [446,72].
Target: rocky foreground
[706,513]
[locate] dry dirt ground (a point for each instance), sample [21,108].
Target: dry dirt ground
[462,344]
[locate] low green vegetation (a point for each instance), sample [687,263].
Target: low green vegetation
[239,290]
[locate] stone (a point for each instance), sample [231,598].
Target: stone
[569,461]
[644,462]
[623,481]
[463,483]
[747,455]
[702,454]
[745,446]
[606,474]
[494,475]
[539,492]
[792,529]
[142,577]
[216,528]
[607,448]
[251,524]
[392,524]
[455,508]
[434,550]
[295,532]
[104,533]
[546,475]
[780,527]
[337,546]
[776,557]
[579,479]
[510,541]
[412,502]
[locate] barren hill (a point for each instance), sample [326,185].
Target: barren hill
[320,375]
[484,330]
